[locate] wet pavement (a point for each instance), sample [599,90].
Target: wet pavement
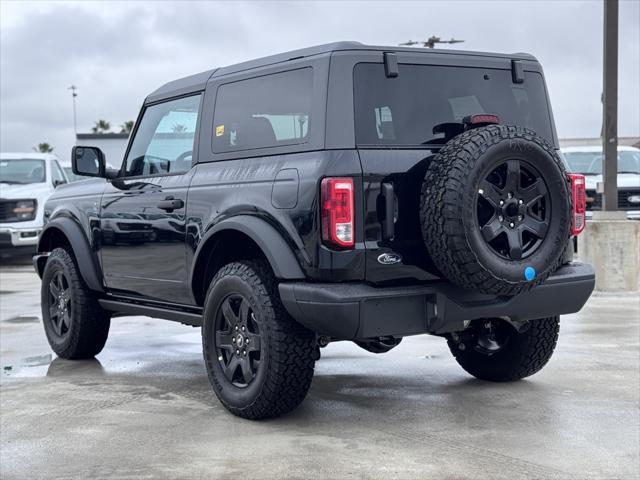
[144,409]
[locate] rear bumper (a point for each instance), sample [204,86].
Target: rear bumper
[351,311]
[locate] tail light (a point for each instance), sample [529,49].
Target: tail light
[579,202]
[482,119]
[337,212]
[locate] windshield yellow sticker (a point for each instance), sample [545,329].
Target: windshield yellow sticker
[219,130]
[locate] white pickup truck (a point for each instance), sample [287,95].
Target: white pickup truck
[26,182]
[588,161]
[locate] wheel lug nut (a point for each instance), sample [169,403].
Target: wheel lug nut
[237,352]
[500,218]
[512,225]
[233,340]
[246,341]
[510,195]
[243,328]
[520,217]
[520,202]
[501,202]
[236,328]
[244,352]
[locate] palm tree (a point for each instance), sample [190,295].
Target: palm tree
[43,148]
[101,126]
[126,127]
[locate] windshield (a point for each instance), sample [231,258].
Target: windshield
[403,110]
[21,171]
[590,163]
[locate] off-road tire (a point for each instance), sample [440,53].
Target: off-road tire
[89,323]
[524,354]
[449,199]
[288,350]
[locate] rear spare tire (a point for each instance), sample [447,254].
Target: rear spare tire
[496,210]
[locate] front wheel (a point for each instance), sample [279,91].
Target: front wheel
[75,324]
[491,349]
[259,360]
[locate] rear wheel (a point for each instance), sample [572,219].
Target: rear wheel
[259,360]
[75,324]
[491,349]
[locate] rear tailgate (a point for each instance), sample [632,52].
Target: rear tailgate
[395,118]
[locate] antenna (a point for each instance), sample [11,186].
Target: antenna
[431,42]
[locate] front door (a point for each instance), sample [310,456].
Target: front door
[142,217]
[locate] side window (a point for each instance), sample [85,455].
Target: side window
[164,139]
[267,111]
[56,174]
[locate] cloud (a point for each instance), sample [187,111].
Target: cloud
[118,53]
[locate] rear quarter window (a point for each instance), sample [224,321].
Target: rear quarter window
[268,111]
[402,111]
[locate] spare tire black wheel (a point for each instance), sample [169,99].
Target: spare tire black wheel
[496,210]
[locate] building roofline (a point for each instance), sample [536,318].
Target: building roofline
[101,136]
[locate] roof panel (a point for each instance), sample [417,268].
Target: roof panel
[198,81]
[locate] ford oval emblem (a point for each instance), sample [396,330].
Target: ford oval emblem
[389,258]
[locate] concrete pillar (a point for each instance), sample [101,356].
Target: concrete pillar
[612,245]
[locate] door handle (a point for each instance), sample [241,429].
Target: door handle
[170,204]
[388,220]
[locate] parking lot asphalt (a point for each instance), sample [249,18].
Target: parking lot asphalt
[144,408]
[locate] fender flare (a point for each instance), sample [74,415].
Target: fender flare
[85,257]
[278,252]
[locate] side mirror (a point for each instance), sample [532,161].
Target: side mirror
[57,183]
[88,161]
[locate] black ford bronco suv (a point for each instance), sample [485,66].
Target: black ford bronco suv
[340,192]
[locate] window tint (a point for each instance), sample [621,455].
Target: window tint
[56,173]
[266,111]
[405,109]
[164,139]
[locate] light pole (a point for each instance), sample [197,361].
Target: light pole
[73,89]
[610,107]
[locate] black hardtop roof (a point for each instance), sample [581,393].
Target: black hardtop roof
[198,81]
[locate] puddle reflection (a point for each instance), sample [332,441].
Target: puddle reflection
[60,367]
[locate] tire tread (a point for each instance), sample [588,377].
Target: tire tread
[292,351]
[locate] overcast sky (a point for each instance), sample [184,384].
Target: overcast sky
[118,52]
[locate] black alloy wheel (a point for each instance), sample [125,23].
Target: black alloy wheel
[238,340]
[76,325]
[60,306]
[513,209]
[259,359]
[496,210]
[490,336]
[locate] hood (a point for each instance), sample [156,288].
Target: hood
[31,190]
[625,180]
